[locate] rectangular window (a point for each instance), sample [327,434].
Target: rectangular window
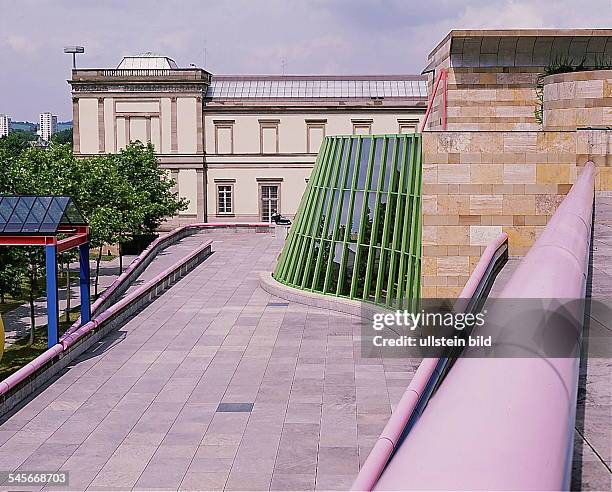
[269,200]
[268,136]
[315,133]
[362,127]
[224,137]
[225,199]
[408,125]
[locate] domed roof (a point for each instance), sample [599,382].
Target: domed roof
[147,60]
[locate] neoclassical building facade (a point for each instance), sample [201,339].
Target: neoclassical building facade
[239,147]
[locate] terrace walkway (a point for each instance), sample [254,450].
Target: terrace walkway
[214,385]
[17,321]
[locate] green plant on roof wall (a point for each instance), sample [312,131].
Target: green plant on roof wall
[564,64]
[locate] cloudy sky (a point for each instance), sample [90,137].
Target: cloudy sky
[246,36]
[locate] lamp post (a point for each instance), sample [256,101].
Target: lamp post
[74,50]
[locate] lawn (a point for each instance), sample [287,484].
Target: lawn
[10,303]
[20,353]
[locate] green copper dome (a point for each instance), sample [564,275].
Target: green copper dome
[357,232]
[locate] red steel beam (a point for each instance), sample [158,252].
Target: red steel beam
[444,97]
[81,236]
[27,240]
[72,242]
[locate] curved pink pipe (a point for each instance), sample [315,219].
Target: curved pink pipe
[383,448]
[507,424]
[21,374]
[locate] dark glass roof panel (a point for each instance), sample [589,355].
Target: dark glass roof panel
[38,215]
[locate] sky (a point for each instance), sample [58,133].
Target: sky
[247,37]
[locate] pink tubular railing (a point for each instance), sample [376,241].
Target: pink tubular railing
[428,371]
[507,423]
[443,79]
[110,305]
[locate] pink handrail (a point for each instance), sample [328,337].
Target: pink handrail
[442,77]
[428,369]
[507,423]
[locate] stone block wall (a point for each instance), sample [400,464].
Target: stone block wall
[477,184]
[487,99]
[578,99]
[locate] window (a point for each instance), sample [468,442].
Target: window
[225,199]
[224,136]
[408,126]
[269,198]
[315,133]
[362,127]
[188,189]
[268,136]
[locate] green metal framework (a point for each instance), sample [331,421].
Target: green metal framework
[357,232]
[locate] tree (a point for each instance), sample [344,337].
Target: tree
[62,137]
[12,272]
[152,199]
[151,183]
[120,195]
[17,141]
[108,201]
[11,148]
[38,171]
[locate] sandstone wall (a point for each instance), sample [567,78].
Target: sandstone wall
[478,184]
[578,99]
[487,99]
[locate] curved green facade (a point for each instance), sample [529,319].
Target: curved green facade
[357,232]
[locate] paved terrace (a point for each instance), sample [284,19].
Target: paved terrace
[17,321]
[165,402]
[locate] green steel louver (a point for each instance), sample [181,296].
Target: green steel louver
[357,232]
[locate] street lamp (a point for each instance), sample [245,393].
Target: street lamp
[74,50]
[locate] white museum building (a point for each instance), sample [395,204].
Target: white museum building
[239,146]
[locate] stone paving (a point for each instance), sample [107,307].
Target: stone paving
[142,409]
[17,321]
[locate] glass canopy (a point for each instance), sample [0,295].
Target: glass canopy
[38,215]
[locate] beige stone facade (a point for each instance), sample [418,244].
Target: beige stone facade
[477,185]
[495,169]
[238,147]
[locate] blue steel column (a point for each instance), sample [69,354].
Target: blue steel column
[52,298]
[84,283]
